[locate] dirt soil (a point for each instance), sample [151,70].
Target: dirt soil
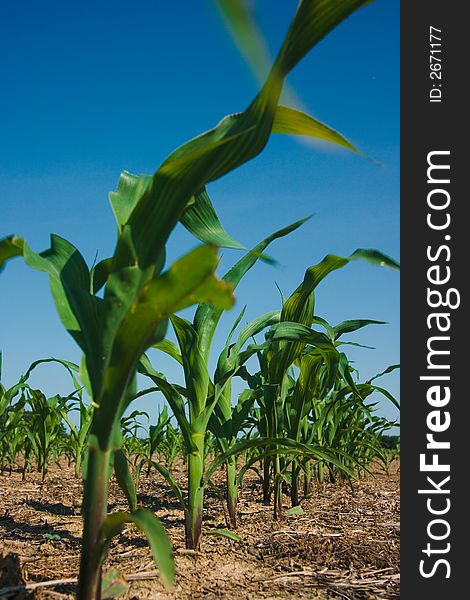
[345,545]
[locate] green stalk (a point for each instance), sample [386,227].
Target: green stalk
[232,491]
[94,512]
[294,490]
[272,399]
[193,512]
[267,479]
[277,488]
[307,479]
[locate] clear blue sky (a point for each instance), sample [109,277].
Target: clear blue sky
[92,88]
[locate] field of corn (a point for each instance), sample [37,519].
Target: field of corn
[272,475]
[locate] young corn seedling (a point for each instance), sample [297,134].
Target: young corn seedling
[228,421]
[194,340]
[45,425]
[285,345]
[22,431]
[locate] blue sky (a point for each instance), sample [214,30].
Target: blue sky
[92,88]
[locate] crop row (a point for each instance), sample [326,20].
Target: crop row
[303,412]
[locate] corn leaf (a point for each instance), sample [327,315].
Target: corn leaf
[190,280]
[296,122]
[78,309]
[171,482]
[295,510]
[169,348]
[124,478]
[353,325]
[201,220]
[223,533]
[207,318]
[158,540]
[10,247]
[113,584]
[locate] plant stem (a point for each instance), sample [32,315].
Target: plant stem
[232,491]
[294,489]
[266,480]
[193,513]
[273,393]
[277,489]
[307,479]
[95,500]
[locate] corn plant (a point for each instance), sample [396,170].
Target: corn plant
[33,424]
[45,425]
[12,436]
[11,414]
[79,433]
[227,420]
[172,445]
[194,340]
[285,345]
[157,432]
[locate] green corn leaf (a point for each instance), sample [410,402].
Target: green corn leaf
[124,478]
[160,546]
[195,366]
[199,216]
[296,332]
[201,220]
[296,122]
[190,280]
[148,523]
[387,370]
[328,328]
[124,199]
[71,367]
[10,247]
[207,318]
[79,311]
[375,257]
[113,584]
[234,326]
[353,325]
[170,348]
[285,445]
[299,307]
[100,273]
[388,395]
[171,482]
[314,19]
[229,358]
[240,23]
[305,389]
[223,533]
[242,410]
[238,19]
[344,370]
[295,510]
[172,396]
[355,344]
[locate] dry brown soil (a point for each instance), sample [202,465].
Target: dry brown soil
[345,545]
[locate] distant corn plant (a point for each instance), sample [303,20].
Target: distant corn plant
[195,340]
[32,425]
[283,401]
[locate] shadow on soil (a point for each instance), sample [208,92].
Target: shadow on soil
[41,532]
